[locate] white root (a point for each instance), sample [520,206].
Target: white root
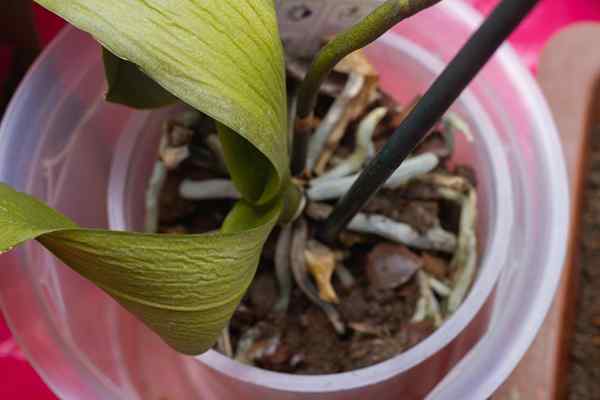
[427,305]
[411,168]
[465,257]
[435,238]
[157,180]
[455,123]
[224,342]
[364,147]
[300,208]
[420,311]
[330,189]
[452,182]
[318,211]
[208,189]
[335,116]
[173,148]
[435,310]
[355,109]
[173,156]
[439,287]
[298,264]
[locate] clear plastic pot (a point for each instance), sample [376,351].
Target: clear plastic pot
[61,142]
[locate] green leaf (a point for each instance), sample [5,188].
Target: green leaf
[250,170]
[184,287]
[223,57]
[129,86]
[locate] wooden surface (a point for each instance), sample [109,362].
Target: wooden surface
[569,75]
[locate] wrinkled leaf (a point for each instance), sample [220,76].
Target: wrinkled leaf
[129,86]
[184,287]
[223,57]
[250,170]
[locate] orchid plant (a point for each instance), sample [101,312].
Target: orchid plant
[225,59]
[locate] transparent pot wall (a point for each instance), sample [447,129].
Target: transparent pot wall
[61,142]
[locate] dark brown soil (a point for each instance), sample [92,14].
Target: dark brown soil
[307,342]
[584,379]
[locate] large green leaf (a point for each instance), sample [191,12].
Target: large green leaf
[223,57]
[129,86]
[183,287]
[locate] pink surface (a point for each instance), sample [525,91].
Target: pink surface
[544,21]
[19,380]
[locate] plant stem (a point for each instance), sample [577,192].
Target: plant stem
[366,31]
[432,106]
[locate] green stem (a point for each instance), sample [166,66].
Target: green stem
[366,31]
